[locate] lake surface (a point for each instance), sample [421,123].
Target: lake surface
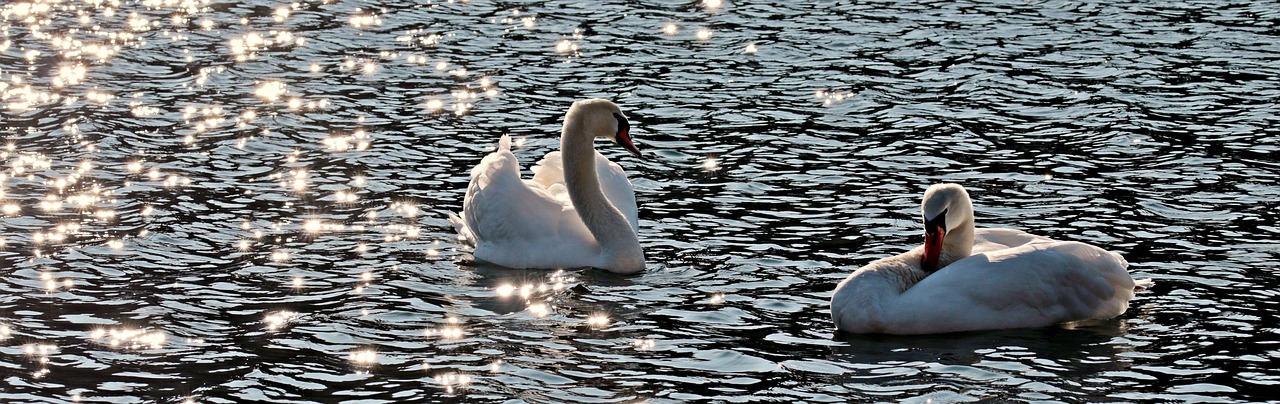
[229,201]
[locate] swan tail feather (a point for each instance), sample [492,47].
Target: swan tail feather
[464,233]
[504,144]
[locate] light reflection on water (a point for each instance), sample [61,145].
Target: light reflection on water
[242,201]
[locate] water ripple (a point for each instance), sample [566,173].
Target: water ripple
[245,201]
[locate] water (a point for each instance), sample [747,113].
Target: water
[242,201]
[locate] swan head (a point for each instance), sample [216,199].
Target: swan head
[602,118]
[946,207]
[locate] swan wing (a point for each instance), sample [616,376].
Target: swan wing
[549,173]
[549,170]
[1033,285]
[519,223]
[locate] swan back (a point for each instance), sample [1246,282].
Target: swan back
[1035,285]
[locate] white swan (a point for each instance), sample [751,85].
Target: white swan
[578,210]
[965,279]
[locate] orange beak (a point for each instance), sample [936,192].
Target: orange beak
[623,137]
[935,231]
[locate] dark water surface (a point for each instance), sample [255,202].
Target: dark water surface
[222,201]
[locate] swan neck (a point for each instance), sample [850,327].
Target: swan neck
[618,242]
[958,243]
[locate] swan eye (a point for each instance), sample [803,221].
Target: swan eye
[938,223]
[624,128]
[623,137]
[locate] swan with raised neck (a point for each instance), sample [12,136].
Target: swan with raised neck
[578,210]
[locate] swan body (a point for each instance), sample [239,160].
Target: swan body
[578,210]
[964,279]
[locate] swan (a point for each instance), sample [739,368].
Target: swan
[966,279]
[578,210]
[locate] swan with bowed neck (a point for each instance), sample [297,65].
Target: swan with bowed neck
[578,210]
[966,279]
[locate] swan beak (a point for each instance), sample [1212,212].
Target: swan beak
[625,140]
[623,137]
[935,231]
